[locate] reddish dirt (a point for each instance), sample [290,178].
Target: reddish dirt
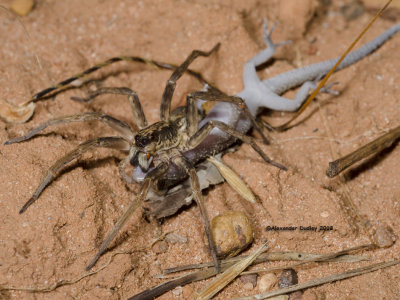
[60,233]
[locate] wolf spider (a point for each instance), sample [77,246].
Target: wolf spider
[154,147]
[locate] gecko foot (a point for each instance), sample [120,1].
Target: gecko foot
[267,36]
[327,88]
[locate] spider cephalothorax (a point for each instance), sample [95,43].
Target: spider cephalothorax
[158,136]
[157,139]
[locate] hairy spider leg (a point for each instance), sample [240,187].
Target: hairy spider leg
[171,82]
[158,64]
[124,129]
[204,131]
[197,136]
[99,66]
[105,142]
[136,107]
[152,176]
[214,95]
[197,195]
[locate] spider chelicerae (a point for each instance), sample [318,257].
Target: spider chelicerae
[154,148]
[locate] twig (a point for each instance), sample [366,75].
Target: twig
[375,146]
[33,48]
[348,204]
[323,280]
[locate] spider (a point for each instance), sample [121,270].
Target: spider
[154,148]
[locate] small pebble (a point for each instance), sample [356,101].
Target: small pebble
[312,49]
[384,236]
[250,278]
[232,233]
[352,10]
[325,214]
[248,286]
[177,291]
[289,277]
[22,7]
[160,247]
[266,282]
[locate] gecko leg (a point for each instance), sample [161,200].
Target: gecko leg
[266,93]
[267,36]
[250,76]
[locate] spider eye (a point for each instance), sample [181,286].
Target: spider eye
[142,140]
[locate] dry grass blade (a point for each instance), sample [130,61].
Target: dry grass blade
[273,256]
[170,285]
[221,281]
[323,280]
[233,179]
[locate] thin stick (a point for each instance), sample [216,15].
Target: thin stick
[323,280]
[321,258]
[375,146]
[283,256]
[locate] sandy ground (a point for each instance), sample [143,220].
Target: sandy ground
[60,233]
